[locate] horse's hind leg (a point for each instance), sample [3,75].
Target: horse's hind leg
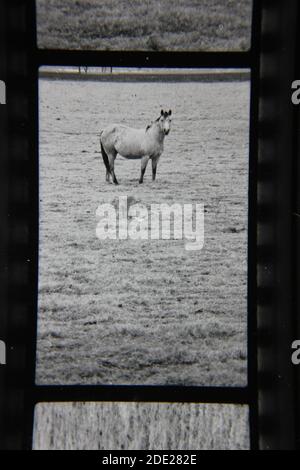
[114,176]
[109,160]
[106,159]
[112,167]
[143,168]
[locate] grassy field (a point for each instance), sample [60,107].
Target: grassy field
[143,312]
[140,426]
[144,24]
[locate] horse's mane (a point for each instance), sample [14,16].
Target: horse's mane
[153,122]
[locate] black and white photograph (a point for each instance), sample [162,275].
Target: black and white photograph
[126,297]
[143,213]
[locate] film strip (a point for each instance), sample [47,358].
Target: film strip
[277,267]
[273,273]
[19,216]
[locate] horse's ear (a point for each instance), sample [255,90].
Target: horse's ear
[170,112]
[162,112]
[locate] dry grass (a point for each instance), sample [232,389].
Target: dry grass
[143,312]
[144,24]
[140,426]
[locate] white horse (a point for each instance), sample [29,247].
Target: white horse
[144,144]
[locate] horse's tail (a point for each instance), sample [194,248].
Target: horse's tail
[104,155]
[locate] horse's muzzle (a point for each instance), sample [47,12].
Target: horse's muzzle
[167,132]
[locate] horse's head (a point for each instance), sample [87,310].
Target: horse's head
[164,121]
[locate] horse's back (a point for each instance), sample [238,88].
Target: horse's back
[114,131]
[125,140]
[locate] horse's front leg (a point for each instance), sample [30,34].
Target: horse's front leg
[154,167]
[144,163]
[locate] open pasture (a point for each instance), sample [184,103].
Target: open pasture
[143,312]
